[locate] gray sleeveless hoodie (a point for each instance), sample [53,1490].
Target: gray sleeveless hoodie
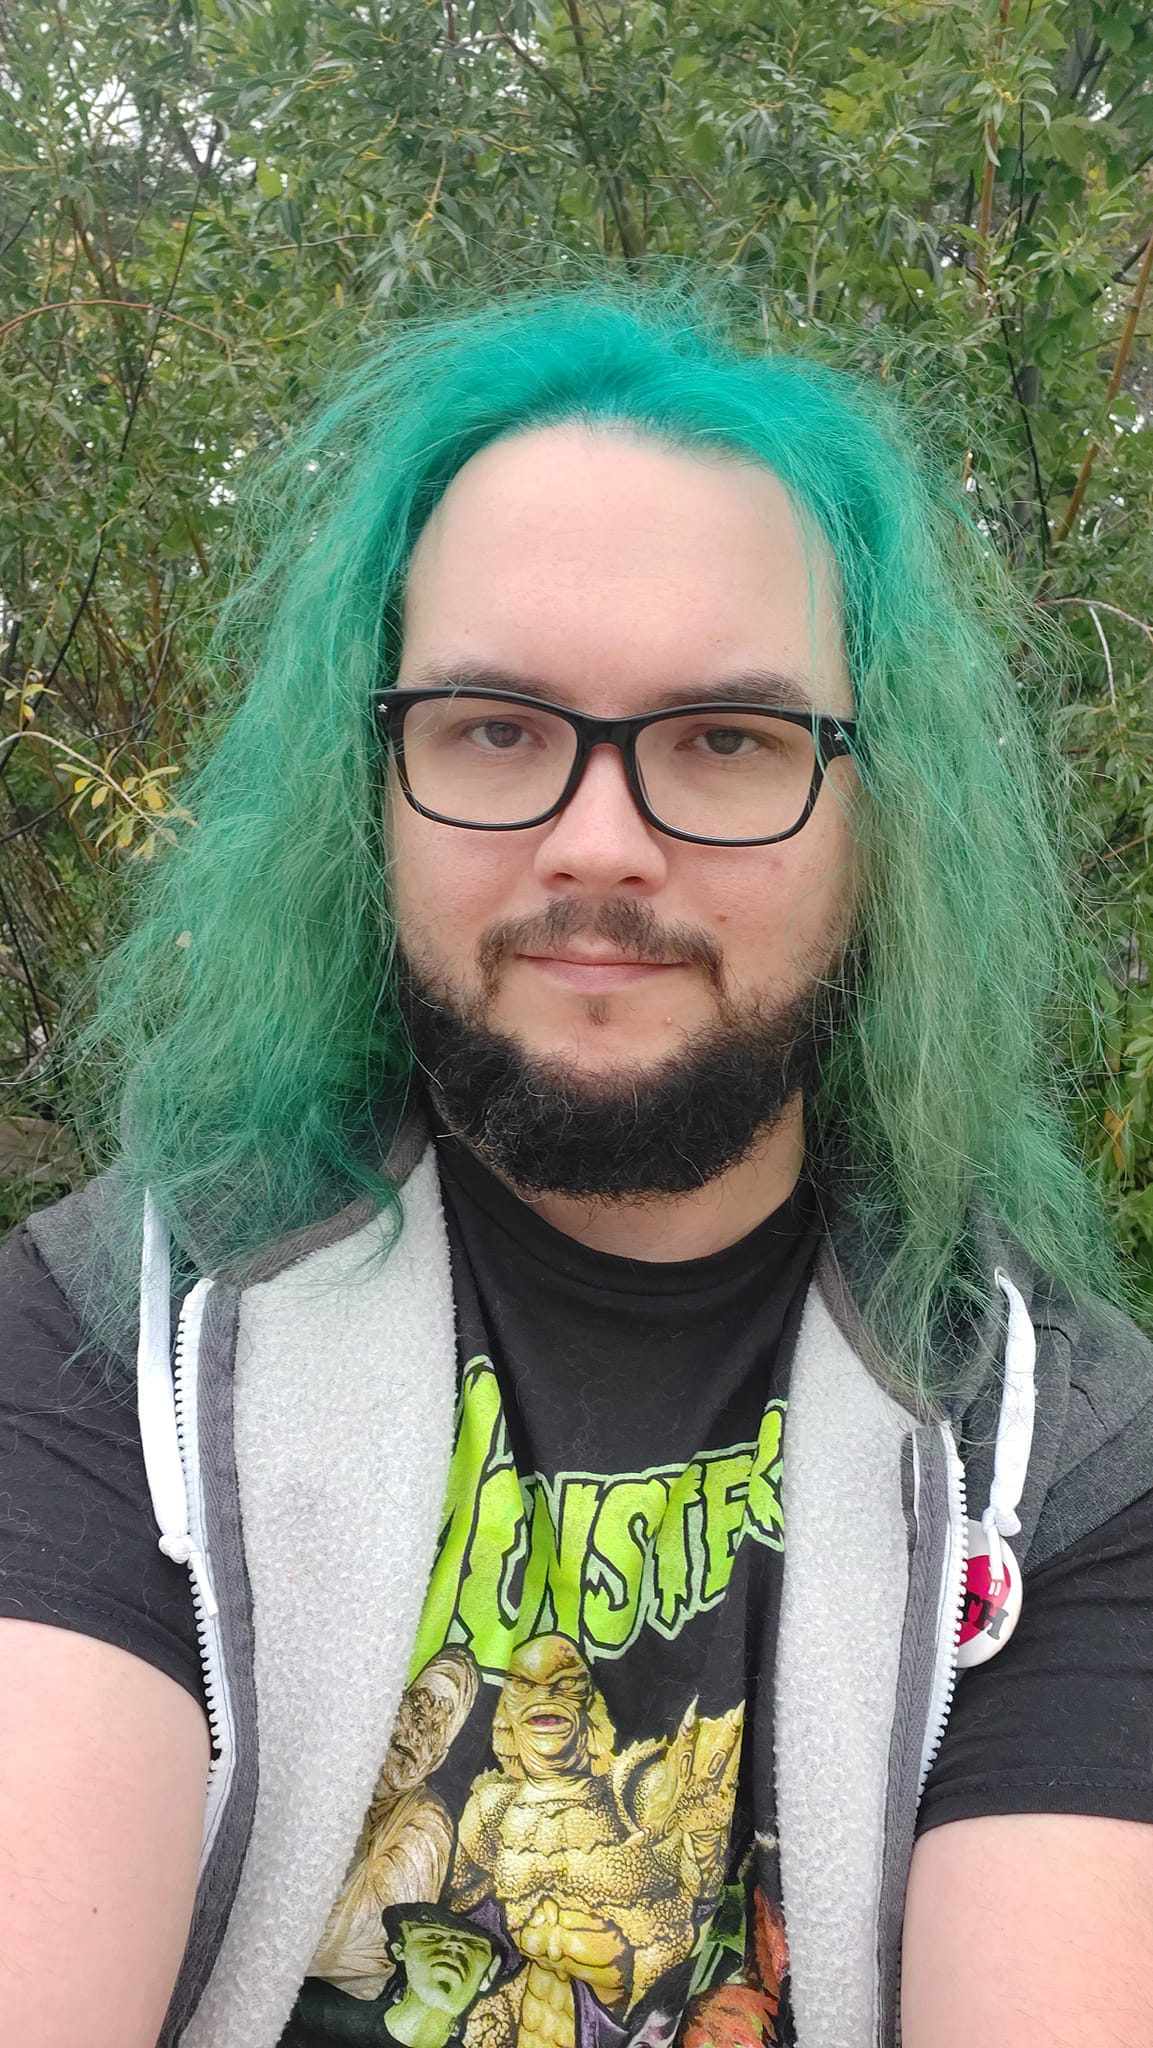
[297,1442]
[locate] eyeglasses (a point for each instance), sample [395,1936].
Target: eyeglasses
[716,774]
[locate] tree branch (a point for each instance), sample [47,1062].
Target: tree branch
[1136,300]
[612,184]
[133,306]
[985,210]
[1027,424]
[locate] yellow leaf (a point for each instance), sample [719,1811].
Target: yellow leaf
[1116,1125]
[99,795]
[153,797]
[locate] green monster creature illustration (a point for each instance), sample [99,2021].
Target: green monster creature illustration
[606,1862]
[446,1962]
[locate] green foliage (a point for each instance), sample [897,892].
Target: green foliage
[205,205]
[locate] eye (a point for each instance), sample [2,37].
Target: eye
[726,740]
[729,742]
[497,735]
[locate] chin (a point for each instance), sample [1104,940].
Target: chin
[605,1057]
[596,1037]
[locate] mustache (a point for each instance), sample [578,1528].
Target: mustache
[623,922]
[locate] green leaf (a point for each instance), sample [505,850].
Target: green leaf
[1069,138]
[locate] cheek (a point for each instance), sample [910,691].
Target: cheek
[447,886]
[777,911]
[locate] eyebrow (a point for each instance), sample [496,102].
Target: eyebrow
[774,689]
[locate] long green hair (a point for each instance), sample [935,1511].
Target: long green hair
[249,1017]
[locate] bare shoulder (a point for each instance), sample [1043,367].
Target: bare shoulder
[102,1779]
[1027,1929]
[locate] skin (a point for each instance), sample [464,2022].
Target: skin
[1030,1931]
[619,576]
[102,1774]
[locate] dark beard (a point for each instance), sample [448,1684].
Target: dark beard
[666,1132]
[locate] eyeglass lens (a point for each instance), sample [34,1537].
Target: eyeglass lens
[729,774]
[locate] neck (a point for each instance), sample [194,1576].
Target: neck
[419,2025]
[663,1228]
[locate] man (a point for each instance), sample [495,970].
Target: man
[586,1065]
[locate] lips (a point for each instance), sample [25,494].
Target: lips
[597,972]
[571,959]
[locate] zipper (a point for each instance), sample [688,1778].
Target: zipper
[950,1612]
[209,1633]
[950,1609]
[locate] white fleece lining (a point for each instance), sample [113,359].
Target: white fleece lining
[345,1388]
[842,1606]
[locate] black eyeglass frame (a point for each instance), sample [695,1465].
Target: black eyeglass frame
[832,737]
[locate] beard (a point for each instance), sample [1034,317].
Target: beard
[665,1130]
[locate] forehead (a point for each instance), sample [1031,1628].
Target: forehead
[613,569]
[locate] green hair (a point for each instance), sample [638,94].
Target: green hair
[249,1016]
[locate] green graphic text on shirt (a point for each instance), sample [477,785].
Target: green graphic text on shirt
[592,1557]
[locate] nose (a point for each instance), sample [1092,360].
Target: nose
[600,843]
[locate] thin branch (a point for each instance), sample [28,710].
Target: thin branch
[1124,345]
[1142,625]
[133,305]
[97,773]
[612,184]
[1092,58]
[429,213]
[14,238]
[578,36]
[1134,256]
[1093,614]
[9,661]
[33,824]
[33,991]
[200,168]
[985,211]
[1027,424]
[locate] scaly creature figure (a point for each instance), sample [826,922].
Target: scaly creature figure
[603,1862]
[681,1793]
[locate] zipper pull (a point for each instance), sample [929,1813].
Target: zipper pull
[993,1587]
[182,1550]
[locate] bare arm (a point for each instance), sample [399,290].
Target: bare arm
[1030,1931]
[103,1761]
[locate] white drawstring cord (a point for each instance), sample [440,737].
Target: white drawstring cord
[156,1401]
[1014,1424]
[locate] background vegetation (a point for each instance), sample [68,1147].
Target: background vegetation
[204,203]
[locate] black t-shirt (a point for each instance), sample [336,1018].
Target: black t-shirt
[580,1794]
[605,1369]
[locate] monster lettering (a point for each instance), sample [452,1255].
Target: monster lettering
[593,1558]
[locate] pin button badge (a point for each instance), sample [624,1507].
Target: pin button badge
[992,1603]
